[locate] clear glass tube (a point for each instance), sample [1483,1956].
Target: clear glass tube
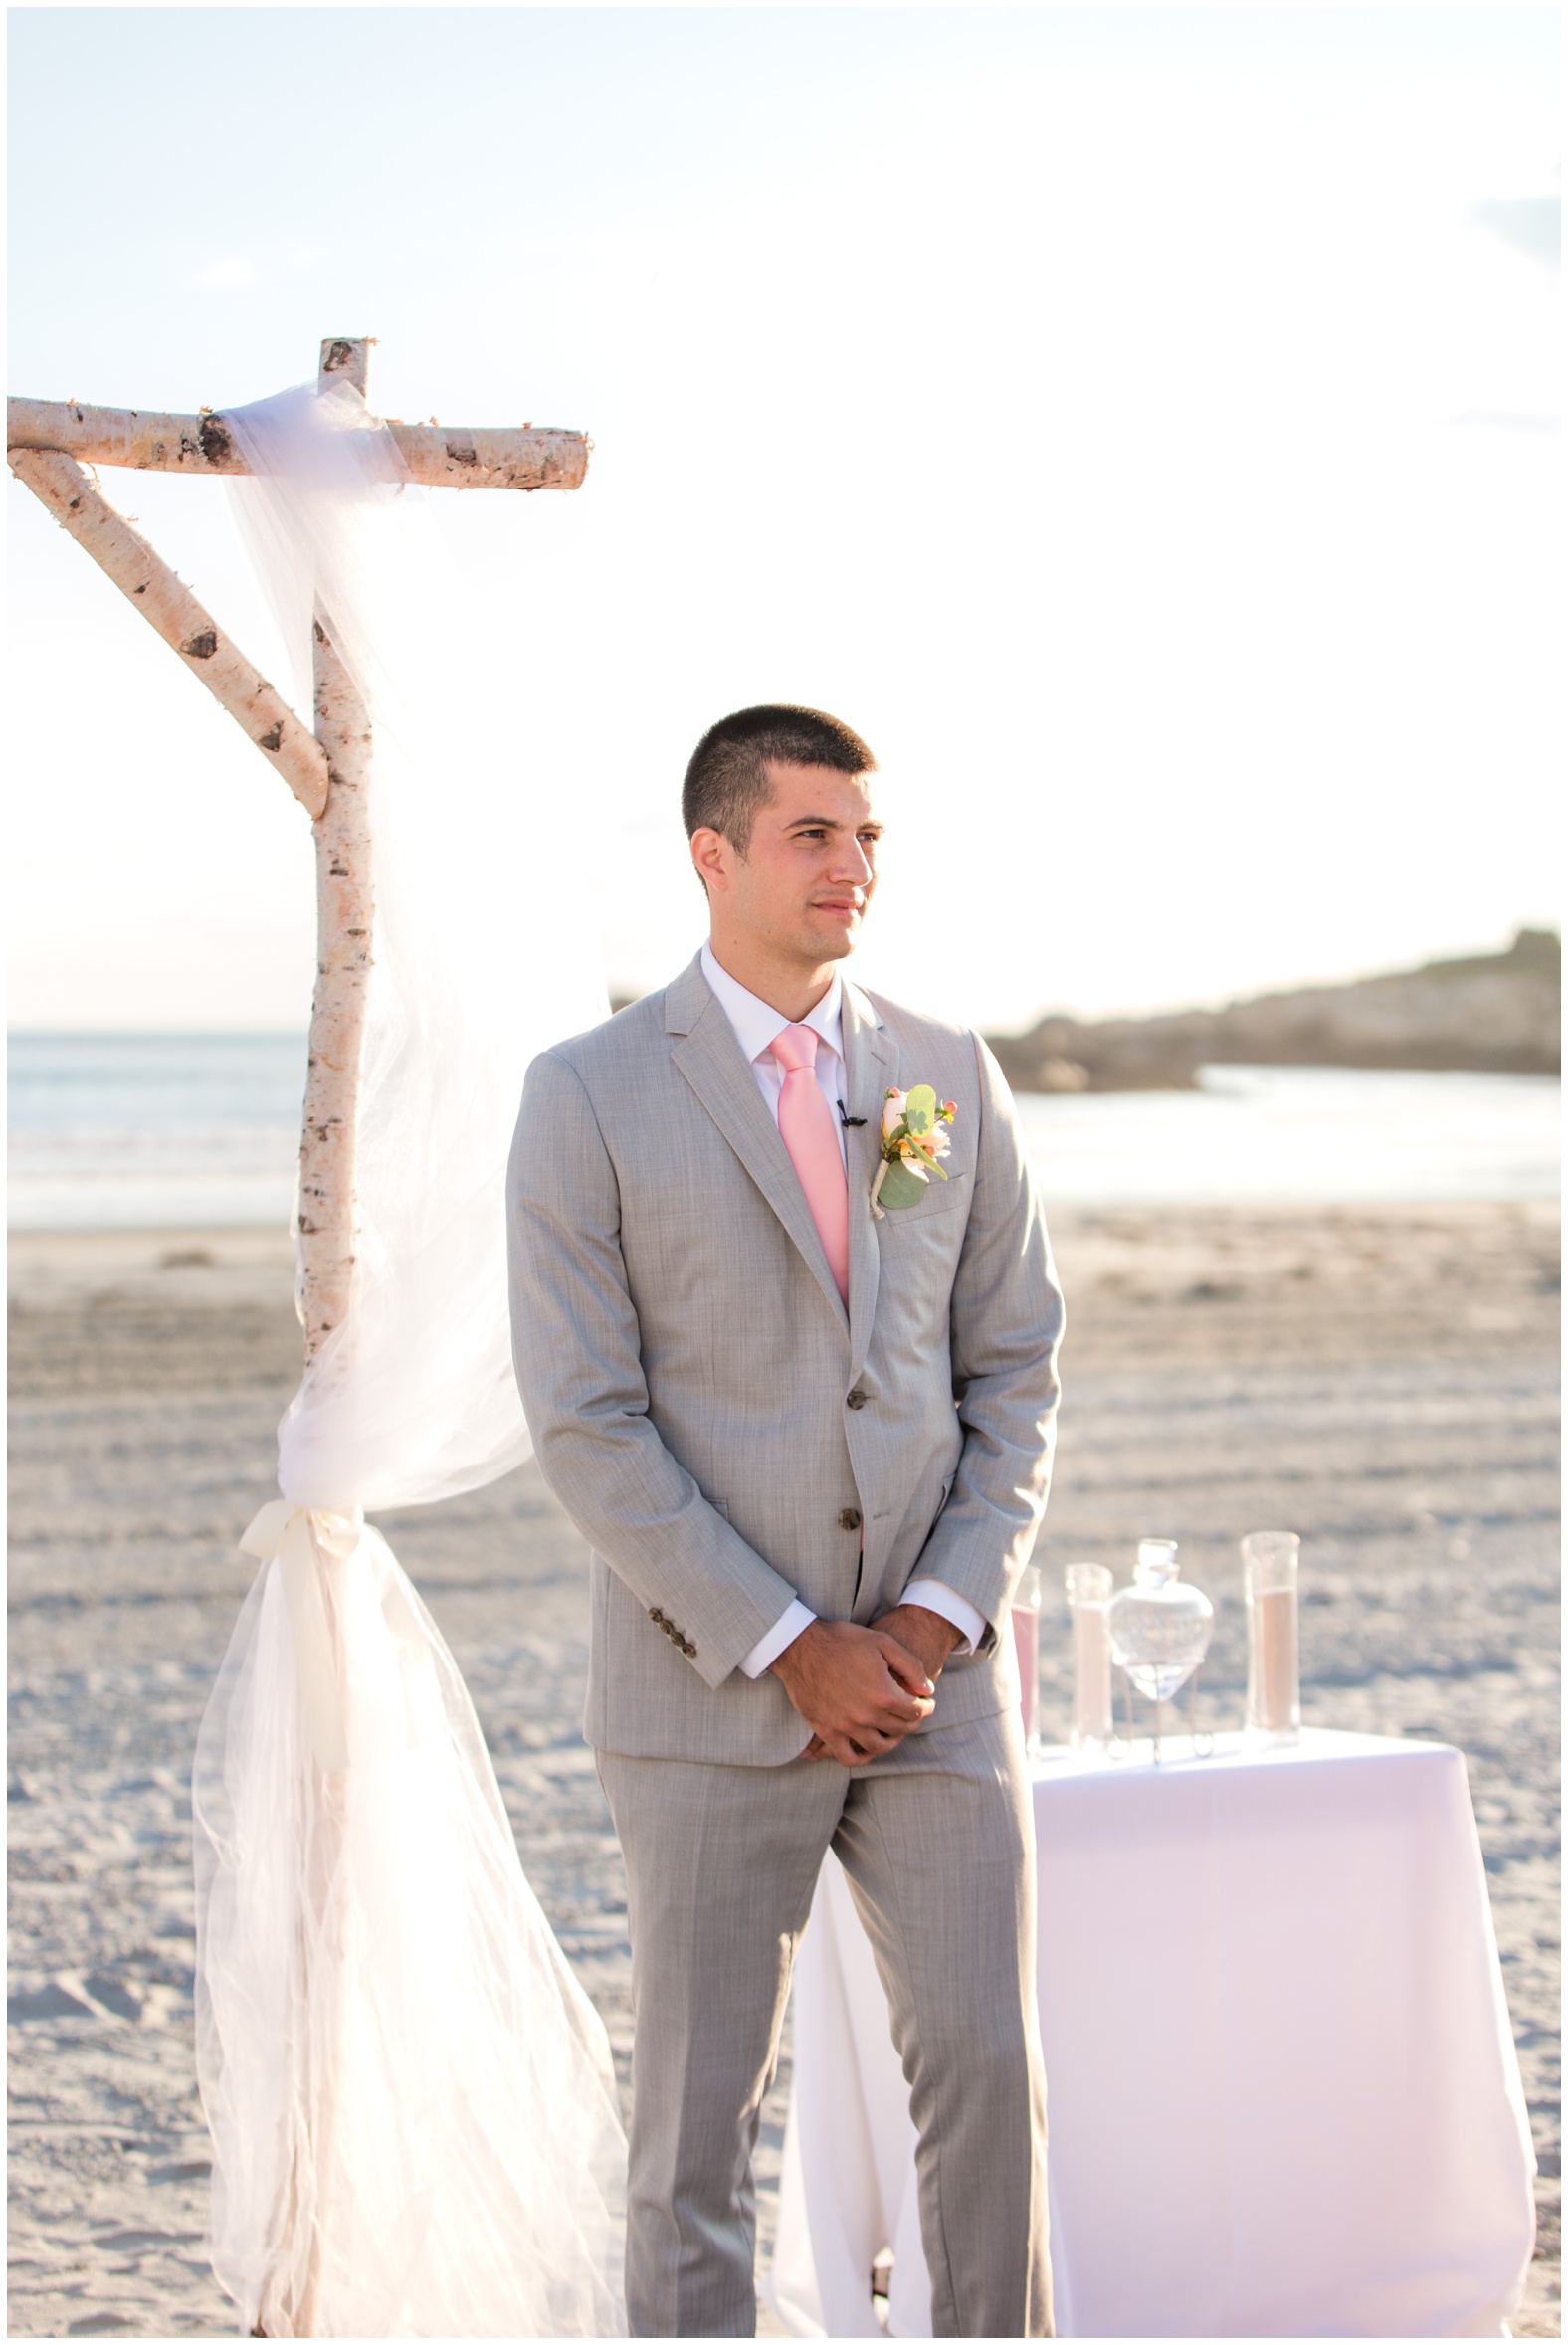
[1274,1670]
[1090,1588]
[1026,1636]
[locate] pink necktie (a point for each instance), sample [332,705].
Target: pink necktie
[806,1130]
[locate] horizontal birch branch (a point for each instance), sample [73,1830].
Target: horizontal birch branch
[437,456]
[168,605]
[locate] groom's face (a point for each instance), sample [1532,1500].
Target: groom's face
[809,871]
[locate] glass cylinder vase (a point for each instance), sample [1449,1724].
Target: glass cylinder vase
[1090,1588]
[1026,1638]
[1274,1670]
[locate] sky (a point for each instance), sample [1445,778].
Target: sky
[1140,425]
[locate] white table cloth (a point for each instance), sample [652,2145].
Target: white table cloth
[1284,2094]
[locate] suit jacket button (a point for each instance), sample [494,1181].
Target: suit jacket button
[857,1399]
[849,1519]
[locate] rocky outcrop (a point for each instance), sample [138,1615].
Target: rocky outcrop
[1500,1013]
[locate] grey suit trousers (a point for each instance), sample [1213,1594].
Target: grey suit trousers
[938,1840]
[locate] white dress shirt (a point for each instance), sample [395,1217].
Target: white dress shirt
[757,1027]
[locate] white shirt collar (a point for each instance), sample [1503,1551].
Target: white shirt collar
[757,1025]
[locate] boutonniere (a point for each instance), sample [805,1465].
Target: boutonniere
[913,1137]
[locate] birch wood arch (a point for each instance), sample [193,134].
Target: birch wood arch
[325,762]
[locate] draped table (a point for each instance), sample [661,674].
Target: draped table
[1283,2088]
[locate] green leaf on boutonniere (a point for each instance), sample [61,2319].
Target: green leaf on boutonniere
[900,1187]
[919,1109]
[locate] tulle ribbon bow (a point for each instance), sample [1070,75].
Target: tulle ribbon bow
[296,1538]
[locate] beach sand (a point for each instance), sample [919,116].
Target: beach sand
[1382,1381]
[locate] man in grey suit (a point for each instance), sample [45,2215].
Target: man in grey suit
[810,1449]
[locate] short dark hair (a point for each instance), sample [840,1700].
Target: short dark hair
[726,783]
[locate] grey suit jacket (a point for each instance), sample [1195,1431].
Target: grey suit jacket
[722,1433]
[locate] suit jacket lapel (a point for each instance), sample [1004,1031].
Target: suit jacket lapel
[871,1065]
[707,1052]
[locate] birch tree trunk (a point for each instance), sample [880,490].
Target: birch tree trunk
[345,918]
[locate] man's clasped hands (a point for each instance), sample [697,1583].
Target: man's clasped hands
[862,1690]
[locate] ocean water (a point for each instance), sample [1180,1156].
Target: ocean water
[172,1131]
[1301,1135]
[153,1131]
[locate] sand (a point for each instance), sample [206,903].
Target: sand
[1384,1382]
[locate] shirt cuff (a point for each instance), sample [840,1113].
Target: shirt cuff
[784,1632]
[938,1597]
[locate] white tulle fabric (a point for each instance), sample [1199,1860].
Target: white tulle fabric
[481,957]
[413,2112]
